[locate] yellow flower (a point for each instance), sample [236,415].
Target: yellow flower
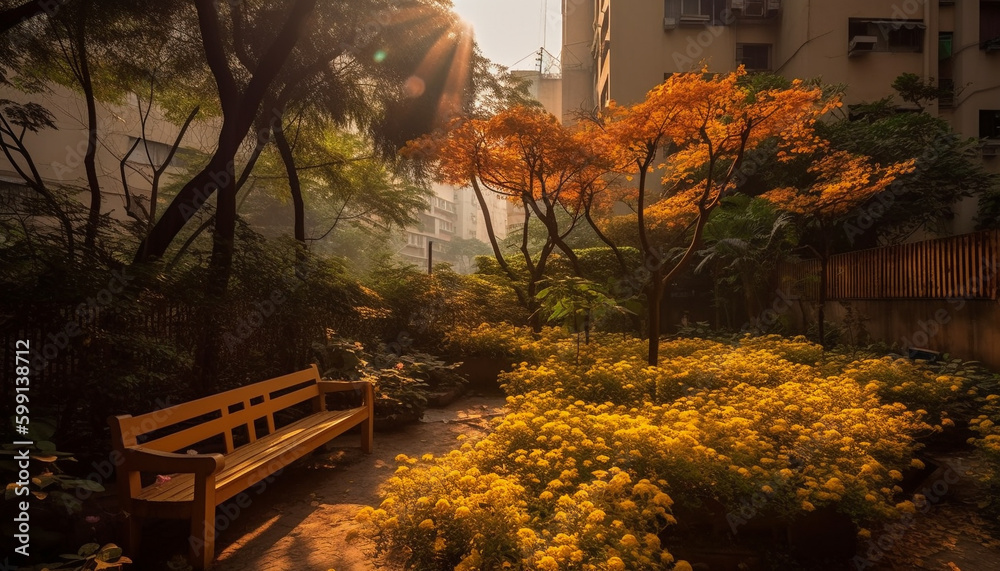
[547,563]
[616,564]
[427,524]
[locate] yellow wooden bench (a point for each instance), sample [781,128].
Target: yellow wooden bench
[199,482]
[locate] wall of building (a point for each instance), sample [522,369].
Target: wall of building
[544,88]
[58,153]
[576,59]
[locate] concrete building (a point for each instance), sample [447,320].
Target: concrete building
[620,49]
[472,223]
[436,225]
[452,214]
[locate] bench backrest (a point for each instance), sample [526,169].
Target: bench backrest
[224,413]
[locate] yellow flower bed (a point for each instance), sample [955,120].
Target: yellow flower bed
[582,471]
[987,425]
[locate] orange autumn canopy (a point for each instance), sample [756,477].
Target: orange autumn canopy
[842,181]
[517,152]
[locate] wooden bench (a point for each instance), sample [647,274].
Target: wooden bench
[199,482]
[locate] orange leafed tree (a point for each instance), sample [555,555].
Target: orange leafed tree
[525,155]
[836,183]
[704,125]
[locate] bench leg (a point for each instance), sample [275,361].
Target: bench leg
[202,540]
[368,435]
[133,532]
[368,425]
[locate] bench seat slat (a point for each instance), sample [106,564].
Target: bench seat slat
[246,462]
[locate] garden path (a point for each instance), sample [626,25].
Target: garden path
[307,521]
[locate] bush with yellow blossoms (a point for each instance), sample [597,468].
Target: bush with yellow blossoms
[987,426]
[596,448]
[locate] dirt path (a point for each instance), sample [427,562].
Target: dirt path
[304,521]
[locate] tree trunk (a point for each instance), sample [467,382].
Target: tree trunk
[90,157]
[294,183]
[491,234]
[654,295]
[821,313]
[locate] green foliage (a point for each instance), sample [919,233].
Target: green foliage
[601,266]
[745,239]
[60,504]
[575,302]
[944,171]
[913,89]
[343,184]
[424,308]
[402,380]
[94,556]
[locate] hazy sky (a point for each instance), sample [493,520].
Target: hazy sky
[511,30]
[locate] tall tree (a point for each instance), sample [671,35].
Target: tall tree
[526,156]
[705,126]
[241,92]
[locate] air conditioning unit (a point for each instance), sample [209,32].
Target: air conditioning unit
[669,23]
[861,45]
[990,147]
[773,5]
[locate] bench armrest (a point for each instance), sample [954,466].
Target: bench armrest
[338,386]
[148,460]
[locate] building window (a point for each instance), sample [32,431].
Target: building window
[989,124]
[445,226]
[946,74]
[416,240]
[444,204]
[152,153]
[989,25]
[755,57]
[712,12]
[864,35]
